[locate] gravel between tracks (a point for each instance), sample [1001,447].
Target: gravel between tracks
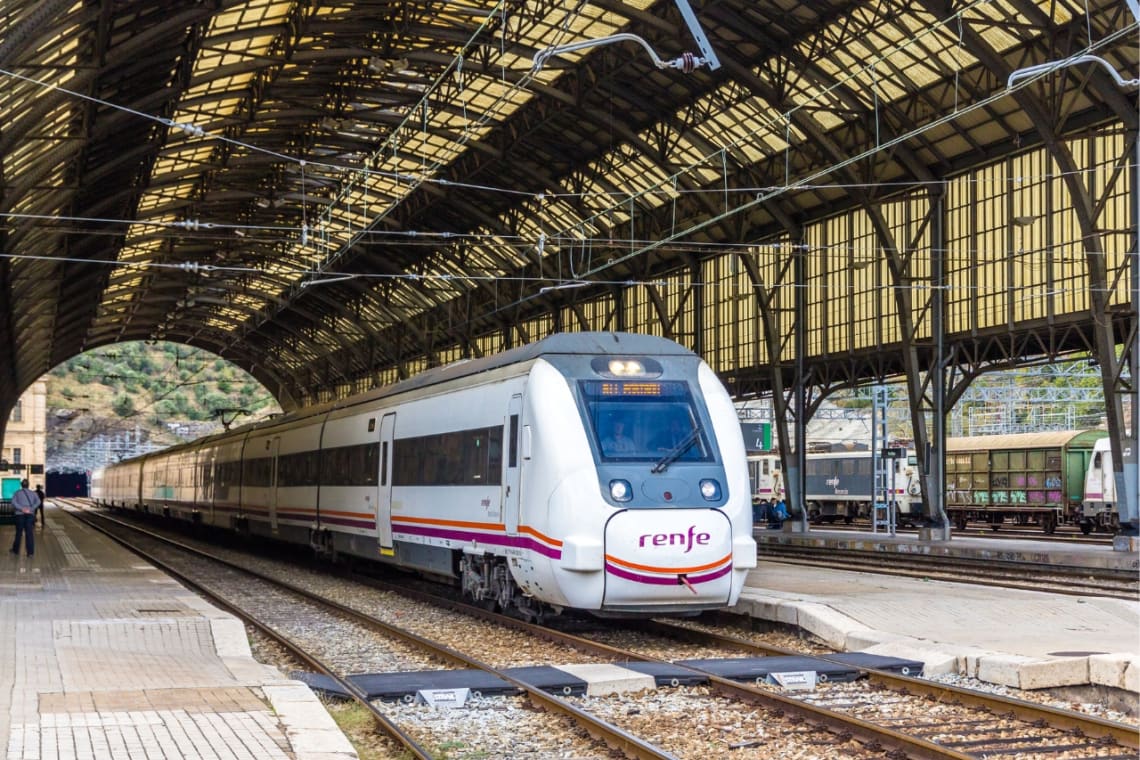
[686,721]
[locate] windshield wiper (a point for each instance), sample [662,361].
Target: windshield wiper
[676,452]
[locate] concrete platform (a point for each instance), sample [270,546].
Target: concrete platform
[104,657]
[971,547]
[1022,639]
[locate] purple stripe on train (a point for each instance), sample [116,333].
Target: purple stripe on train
[666,580]
[496,539]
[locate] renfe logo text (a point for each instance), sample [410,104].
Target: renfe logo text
[676,539]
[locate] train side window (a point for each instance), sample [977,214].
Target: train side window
[384,464]
[469,457]
[1096,460]
[513,444]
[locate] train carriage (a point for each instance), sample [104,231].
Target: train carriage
[840,486]
[510,475]
[766,478]
[1034,478]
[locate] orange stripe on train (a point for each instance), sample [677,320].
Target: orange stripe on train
[652,569]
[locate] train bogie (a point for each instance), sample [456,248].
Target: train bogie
[503,476]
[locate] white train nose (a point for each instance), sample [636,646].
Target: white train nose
[656,559]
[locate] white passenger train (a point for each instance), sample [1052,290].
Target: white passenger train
[603,472]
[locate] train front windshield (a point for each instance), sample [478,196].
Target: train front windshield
[644,421]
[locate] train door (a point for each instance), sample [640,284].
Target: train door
[512,460]
[274,447]
[384,495]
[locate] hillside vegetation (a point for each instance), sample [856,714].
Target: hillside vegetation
[124,399]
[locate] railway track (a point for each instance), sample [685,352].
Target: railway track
[859,721]
[291,602]
[1055,579]
[1006,532]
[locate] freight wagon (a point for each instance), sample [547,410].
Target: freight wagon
[1027,478]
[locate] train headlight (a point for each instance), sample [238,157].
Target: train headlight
[710,489]
[621,490]
[626,368]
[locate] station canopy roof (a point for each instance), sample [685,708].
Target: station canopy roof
[314,190]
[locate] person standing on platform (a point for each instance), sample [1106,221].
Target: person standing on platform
[40,508]
[24,503]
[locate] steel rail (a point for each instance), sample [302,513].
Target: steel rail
[1088,725]
[1064,536]
[612,735]
[1069,581]
[386,725]
[871,735]
[840,723]
[1122,734]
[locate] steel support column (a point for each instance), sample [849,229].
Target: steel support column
[796,480]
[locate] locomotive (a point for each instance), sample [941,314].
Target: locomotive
[504,475]
[840,484]
[1097,509]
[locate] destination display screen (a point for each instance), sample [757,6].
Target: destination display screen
[611,388]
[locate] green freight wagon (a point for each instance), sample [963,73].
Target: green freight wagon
[1029,478]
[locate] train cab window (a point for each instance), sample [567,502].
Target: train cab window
[644,421]
[1096,460]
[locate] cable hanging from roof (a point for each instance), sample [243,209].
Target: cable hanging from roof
[769,192]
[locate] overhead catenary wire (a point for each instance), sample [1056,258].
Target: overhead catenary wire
[625,198]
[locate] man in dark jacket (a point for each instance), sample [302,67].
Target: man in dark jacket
[24,503]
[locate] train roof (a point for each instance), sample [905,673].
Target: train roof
[577,343]
[1042,440]
[566,343]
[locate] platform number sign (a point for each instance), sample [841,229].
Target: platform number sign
[757,436]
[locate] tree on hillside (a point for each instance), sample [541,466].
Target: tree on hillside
[123,405]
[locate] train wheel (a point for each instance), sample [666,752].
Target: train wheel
[486,604]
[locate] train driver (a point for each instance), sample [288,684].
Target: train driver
[617,442]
